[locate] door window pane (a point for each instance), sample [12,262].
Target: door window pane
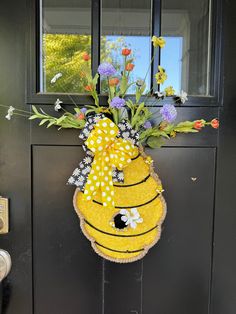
[186,56]
[127,23]
[65,37]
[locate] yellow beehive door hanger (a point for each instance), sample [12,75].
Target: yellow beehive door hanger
[118,195]
[124,233]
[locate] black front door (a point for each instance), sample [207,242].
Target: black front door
[55,270]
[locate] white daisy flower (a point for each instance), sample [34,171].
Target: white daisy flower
[10,110]
[160,94]
[120,176]
[131,218]
[132,132]
[55,78]
[71,180]
[80,179]
[57,104]
[87,160]
[182,96]
[126,135]
[76,172]
[10,113]
[128,126]
[122,127]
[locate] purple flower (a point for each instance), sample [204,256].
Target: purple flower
[147,125]
[83,110]
[117,102]
[106,69]
[168,113]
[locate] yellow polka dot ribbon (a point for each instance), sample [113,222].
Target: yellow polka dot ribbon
[109,152]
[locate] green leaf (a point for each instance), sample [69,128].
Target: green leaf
[169,128]
[95,79]
[33,117]
[77,110]
[90,106]
[185,124]
[138,94]
[112,91]
[185,130]
[129,61]
[160,133]
[42,111]
[123,84]
[51,123]
[35,110]
[136,116]
[90,110]
[155,142]
[62,118]
[43,121]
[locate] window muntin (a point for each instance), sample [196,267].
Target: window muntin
[65,36]
[186,25]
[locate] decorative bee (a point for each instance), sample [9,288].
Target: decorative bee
[125,233]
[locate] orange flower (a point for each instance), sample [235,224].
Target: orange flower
[126,52]
[80,116]
[215,123]
[88,88]
[198,125]
[129,66]
[86,56]
[114,81]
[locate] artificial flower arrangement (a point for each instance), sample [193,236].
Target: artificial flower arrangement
[119,196]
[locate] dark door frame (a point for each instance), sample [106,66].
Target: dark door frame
[14,23]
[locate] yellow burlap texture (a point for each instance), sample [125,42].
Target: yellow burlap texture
[97,220]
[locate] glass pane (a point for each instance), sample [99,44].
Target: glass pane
[127,23]
[186,56]
[65,37]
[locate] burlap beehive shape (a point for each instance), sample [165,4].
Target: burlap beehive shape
[141,190]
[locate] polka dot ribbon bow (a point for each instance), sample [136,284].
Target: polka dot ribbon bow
[109,152]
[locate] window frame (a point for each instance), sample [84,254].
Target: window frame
[33,56]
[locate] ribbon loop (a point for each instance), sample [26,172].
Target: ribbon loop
[109,152]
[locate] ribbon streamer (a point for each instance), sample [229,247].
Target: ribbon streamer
[109,152]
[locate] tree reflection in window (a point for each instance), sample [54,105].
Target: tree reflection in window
[65,36]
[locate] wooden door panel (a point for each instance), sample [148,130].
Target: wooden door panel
[67,273]
[123,288]
[176,272]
